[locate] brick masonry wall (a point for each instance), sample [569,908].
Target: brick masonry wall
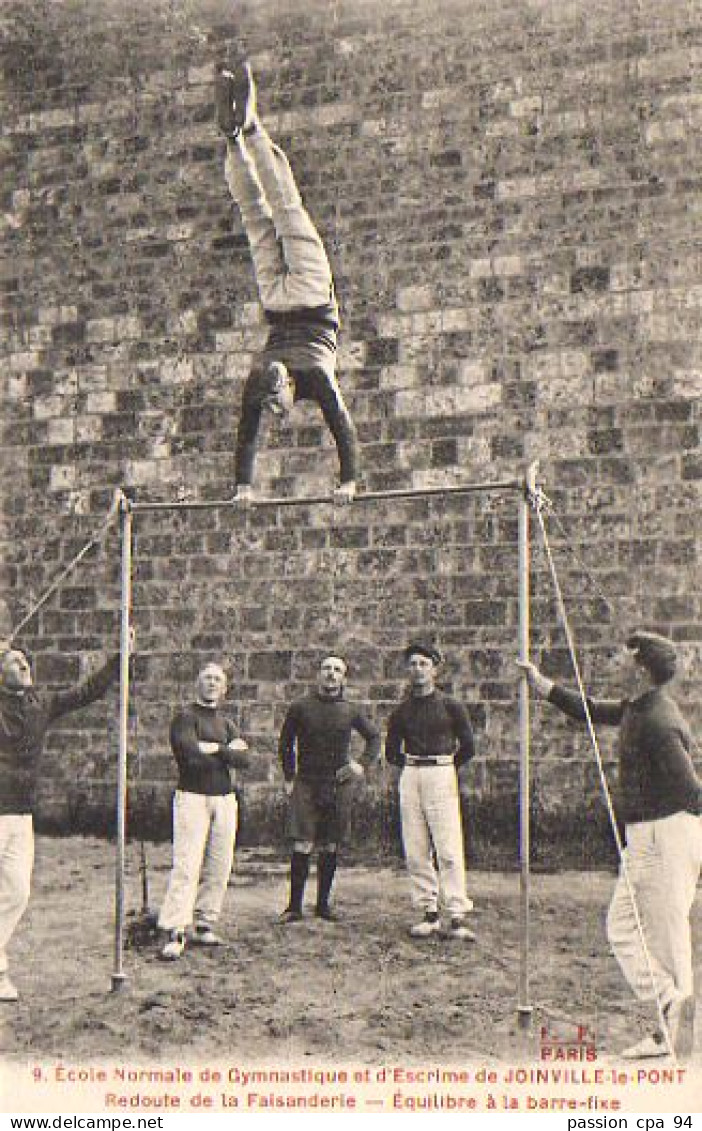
[510,196]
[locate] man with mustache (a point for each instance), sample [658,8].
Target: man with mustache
[314,754]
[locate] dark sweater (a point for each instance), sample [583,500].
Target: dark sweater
[204,773]
[425,725]
[305,336]
[656,774]
[310,385]
[316,735]
[24,721]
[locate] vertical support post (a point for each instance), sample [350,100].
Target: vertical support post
[524,1009]
[126,534]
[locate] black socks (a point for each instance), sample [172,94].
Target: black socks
[326,867]
[299,870]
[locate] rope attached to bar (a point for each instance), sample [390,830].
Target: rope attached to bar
[68,570]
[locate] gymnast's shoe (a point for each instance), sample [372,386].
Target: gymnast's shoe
[173,950]
[8,989]
[650,1048]
[679,1016]
[235,100]
[430,925]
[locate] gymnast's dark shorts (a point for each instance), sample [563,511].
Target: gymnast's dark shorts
[314,813]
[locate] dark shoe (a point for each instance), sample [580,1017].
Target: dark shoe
[235,99]
[224,101]
[290,915]
[325,912]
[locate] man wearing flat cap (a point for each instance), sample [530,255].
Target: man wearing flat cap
[660,802]
[430,738]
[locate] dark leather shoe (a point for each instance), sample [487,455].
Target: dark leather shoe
[290,915]
[325,912]
[235,99]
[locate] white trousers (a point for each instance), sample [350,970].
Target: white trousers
[16,862]
[290,263]
[430,811]
[204,834]
[663,860]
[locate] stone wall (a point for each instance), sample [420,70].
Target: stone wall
[510,197]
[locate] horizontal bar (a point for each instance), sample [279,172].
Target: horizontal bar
[316,500]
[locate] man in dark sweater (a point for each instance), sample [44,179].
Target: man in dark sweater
[660,802]
[207,751]
[295,285]
[314,754]
[430,738]
[25,717]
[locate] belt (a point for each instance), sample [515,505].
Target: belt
[429,760]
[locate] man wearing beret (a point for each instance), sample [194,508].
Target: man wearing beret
[429,737]
[314,754]
[660,805]
[25,717]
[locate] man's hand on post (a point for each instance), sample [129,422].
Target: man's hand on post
[538,682]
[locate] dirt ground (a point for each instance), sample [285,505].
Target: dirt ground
[358,990]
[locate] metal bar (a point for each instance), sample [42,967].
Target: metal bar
[316,500]
[524,1008]
[126,531]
